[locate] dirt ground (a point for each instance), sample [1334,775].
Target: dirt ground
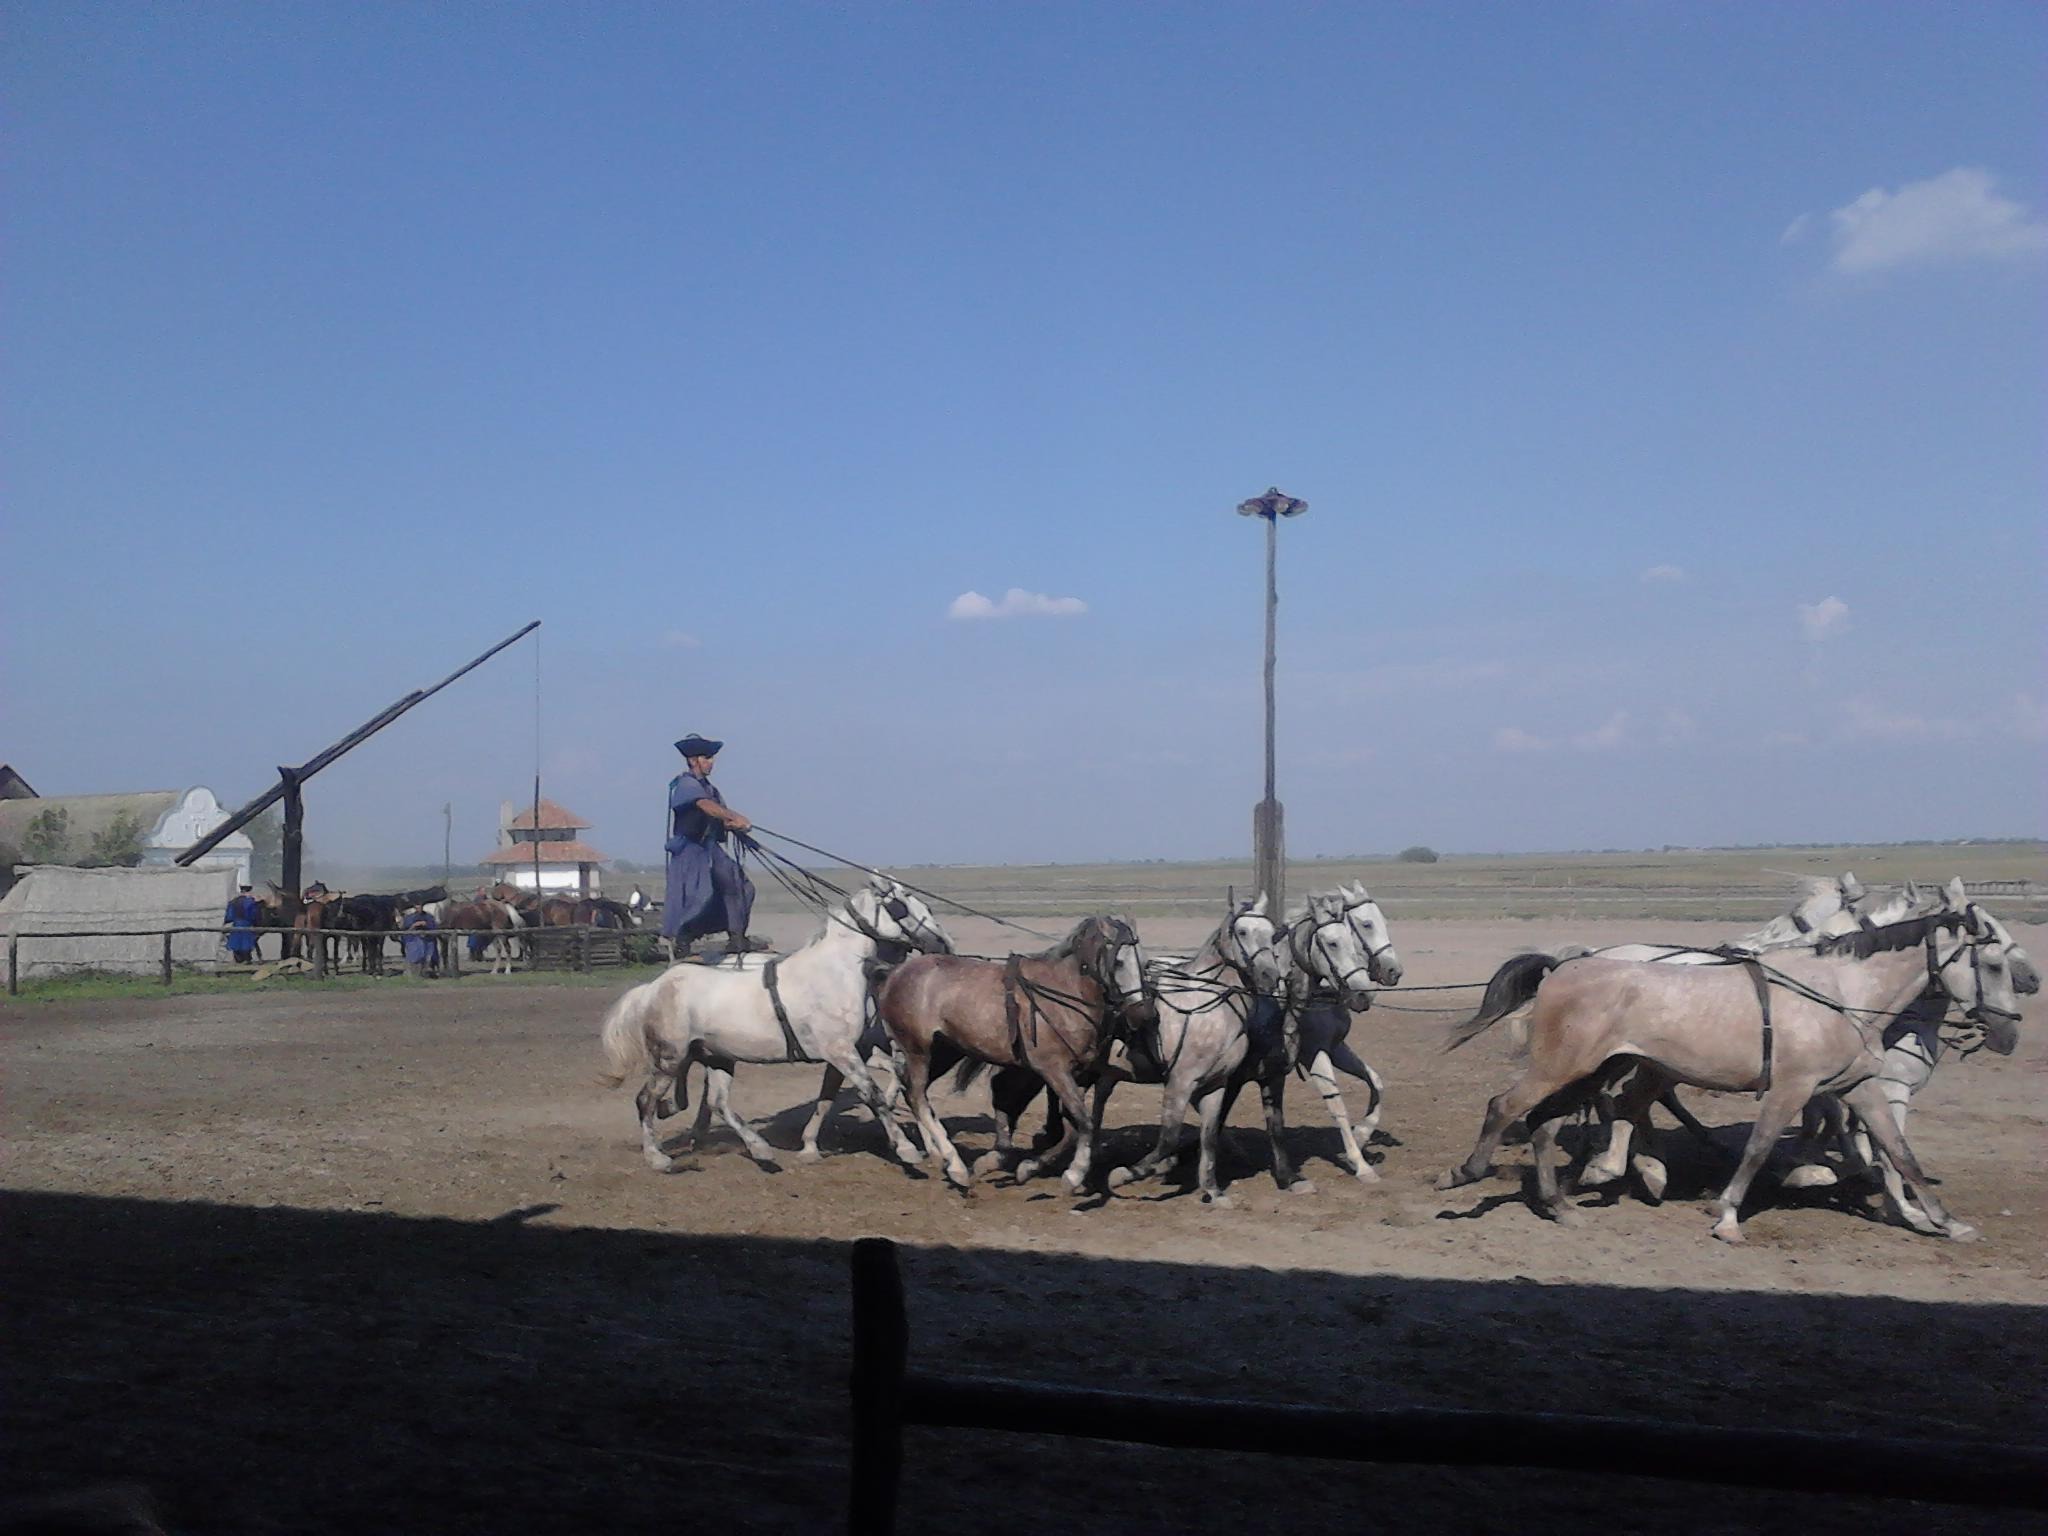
[389,1260]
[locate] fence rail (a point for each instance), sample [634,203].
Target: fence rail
[887,1396]
[570,947]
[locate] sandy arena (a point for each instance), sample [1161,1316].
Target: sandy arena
[389,1260]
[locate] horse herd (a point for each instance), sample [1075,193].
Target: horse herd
[1840,1008]
[497,919]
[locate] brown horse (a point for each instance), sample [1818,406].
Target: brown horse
[484,913]
[1053,1014]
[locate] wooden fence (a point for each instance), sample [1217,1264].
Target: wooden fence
[568,948]
[887,1396]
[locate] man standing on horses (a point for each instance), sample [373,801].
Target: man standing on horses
[708,892]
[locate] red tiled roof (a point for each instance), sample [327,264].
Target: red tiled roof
[568,852]
[551,815]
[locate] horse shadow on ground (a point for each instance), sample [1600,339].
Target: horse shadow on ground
[267,1369]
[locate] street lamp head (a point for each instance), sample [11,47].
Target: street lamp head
[1275,503]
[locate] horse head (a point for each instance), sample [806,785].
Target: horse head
[1979,975]
[1364,915]
[890,912]
[1249,942]
[1107,950]
[1326,950]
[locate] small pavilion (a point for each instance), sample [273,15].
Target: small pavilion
[548,841]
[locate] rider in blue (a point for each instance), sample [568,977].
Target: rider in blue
[708,892]
[245,916]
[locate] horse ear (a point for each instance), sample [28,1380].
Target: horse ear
[1258,908]
[1957,897]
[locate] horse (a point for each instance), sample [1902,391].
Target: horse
[1811,926]
[1203,1044]
[319,916]
[807,1006]
[1913,1047]
[1324,1026]
[1052,1013]
[1786,1031]
[480,912]
[368,918]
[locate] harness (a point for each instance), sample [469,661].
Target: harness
[1762,984]
[1013,979]
[789,1039]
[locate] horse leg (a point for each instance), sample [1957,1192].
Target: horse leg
[1773,1114]
[1273,1094]
[1347,1060]
[1323,1073]
[1010,1093]
[828,1090]
[1550,1199]
[1868,1099]
[1072,1102]
[1212,1106]
[1173,1112]
[1629,1110]
[663,1078]
[1502,1111]
[1819,1122]
[917,1072]
[718,1090]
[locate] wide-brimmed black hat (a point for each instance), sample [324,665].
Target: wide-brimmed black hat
[694,745]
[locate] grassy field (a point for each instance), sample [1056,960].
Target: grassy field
[1727,886]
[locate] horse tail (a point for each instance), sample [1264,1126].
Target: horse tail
[969,1069]
[624,1036]
[1512,986]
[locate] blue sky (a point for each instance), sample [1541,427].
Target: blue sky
[1665,381]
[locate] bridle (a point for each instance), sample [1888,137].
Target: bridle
[898,912]
[1328,972]
[1119,936]
[1973,938]
[1375,970]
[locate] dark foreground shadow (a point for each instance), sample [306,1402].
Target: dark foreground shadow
[284,1370]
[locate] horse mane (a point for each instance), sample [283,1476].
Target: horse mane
[1065,949]
[1909,934]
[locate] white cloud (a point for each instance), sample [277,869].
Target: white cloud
[680,640]
[1678,727]
[1015,604]
[1827,617]
[1663,573]
[1956,216]
[1865,721]
[1512,738]
[1604,738]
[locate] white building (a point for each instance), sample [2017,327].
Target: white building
[548,847]
[76,829]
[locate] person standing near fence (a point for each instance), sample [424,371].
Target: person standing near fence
[422,949]
[707,891]
[245,916]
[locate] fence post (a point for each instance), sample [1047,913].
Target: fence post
[319,939]
[881,1340]
[454,965]
[167,957]
[13,964]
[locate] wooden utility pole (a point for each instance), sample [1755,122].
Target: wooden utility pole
[1269,840]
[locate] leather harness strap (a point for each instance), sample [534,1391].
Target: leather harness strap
[789,1039]
[1763,1003]
[1012,1013]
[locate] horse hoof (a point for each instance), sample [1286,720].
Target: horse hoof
[1728,1231]
[1653,1176]
[1073,1182]
[1302,1187]
[1567,1215]
[1961,1232]
[1365,1173]
[661,1162]
[1812,1176]
[1220,1202]
[810,1155]
[1119,1177]
[1594,1175]
[1455,1178]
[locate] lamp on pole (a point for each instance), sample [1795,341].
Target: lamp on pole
[1269,844]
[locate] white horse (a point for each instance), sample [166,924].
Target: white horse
[1829,907]
[1324,1027]
[727,1013]
[1913,1048]
[1206,1019]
